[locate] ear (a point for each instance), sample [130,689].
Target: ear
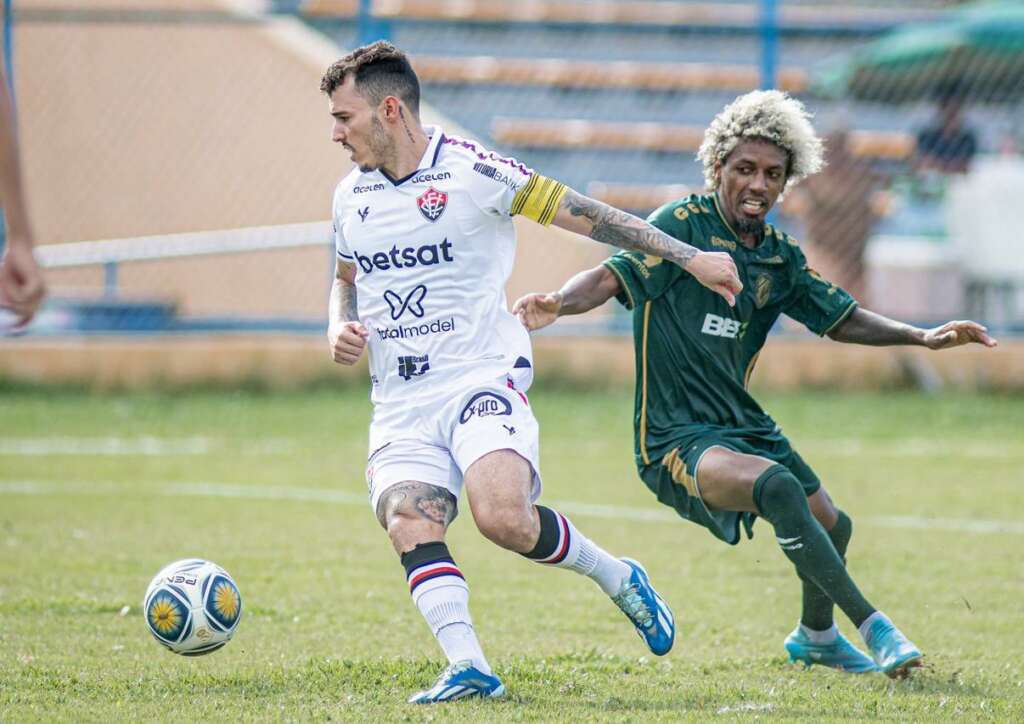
[717,172]
[390,109]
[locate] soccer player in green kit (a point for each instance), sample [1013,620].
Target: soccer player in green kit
[703,444]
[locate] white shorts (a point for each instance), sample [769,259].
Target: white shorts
[437,441]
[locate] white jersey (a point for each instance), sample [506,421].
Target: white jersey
[433,252]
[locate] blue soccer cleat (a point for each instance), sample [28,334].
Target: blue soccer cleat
[838,654]
[644,607]
[460,681]
[891,650]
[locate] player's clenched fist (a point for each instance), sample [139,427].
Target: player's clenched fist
[717,271]
[347,341]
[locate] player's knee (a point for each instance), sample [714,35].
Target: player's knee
[512,529]
[778,489]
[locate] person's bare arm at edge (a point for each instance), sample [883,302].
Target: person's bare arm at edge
[21,282]
[864,327]
[587,290]
[345,334]
[601,222]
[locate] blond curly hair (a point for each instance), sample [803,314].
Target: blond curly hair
[768,115]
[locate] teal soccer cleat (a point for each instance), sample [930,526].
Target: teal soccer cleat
[891,650]
[644,607]
[838,654]
[459,681]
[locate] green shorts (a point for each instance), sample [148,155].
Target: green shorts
[673,480]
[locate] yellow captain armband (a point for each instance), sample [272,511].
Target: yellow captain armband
[539,199]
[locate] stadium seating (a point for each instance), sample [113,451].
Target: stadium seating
[614,96]
[636,12]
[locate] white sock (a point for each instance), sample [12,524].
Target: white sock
[442,596]
[575,551]
[821,637]
[865,627]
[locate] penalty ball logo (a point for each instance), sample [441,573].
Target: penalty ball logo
[432,203]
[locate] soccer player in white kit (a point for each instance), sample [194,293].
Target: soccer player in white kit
[425,244]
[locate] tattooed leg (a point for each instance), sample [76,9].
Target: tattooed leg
[414,513]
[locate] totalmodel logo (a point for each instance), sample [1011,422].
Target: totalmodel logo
[405,258]
[411,331]
[411,302]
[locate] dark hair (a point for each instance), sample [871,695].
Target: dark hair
[380,70]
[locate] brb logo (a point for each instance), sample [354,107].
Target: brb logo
[485,404]
[413,303]
[432,203]
[720,327]
[413,366]
[408,257]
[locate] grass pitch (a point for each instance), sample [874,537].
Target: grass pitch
[98,492]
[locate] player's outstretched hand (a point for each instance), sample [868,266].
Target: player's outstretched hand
[347,342]
[537,310]
[717,271]
[954,334]
[21,282]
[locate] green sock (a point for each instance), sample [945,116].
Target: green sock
[781,501]
[817,607]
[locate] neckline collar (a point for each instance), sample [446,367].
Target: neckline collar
[429,158]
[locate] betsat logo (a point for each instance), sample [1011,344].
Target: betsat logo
[720,327]
[407,257]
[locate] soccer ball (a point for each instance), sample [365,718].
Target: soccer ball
[192,607]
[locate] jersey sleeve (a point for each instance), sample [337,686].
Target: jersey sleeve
[644,277]
[340,244]
[815,302]
[507,187]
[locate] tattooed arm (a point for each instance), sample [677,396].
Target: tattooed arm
[601,222]
[345,335]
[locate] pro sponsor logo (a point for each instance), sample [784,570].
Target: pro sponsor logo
[432,203]
[424,178]
[412,302]
[363,213]
[411,366]
[492,172]
[406,257]
[411,331]
[721,327]
[485,404]
[368,189]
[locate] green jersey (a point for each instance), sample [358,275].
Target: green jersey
[695,353]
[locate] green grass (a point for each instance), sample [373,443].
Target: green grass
[329,632]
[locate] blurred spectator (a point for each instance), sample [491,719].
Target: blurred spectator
[947,145]
[839,207]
